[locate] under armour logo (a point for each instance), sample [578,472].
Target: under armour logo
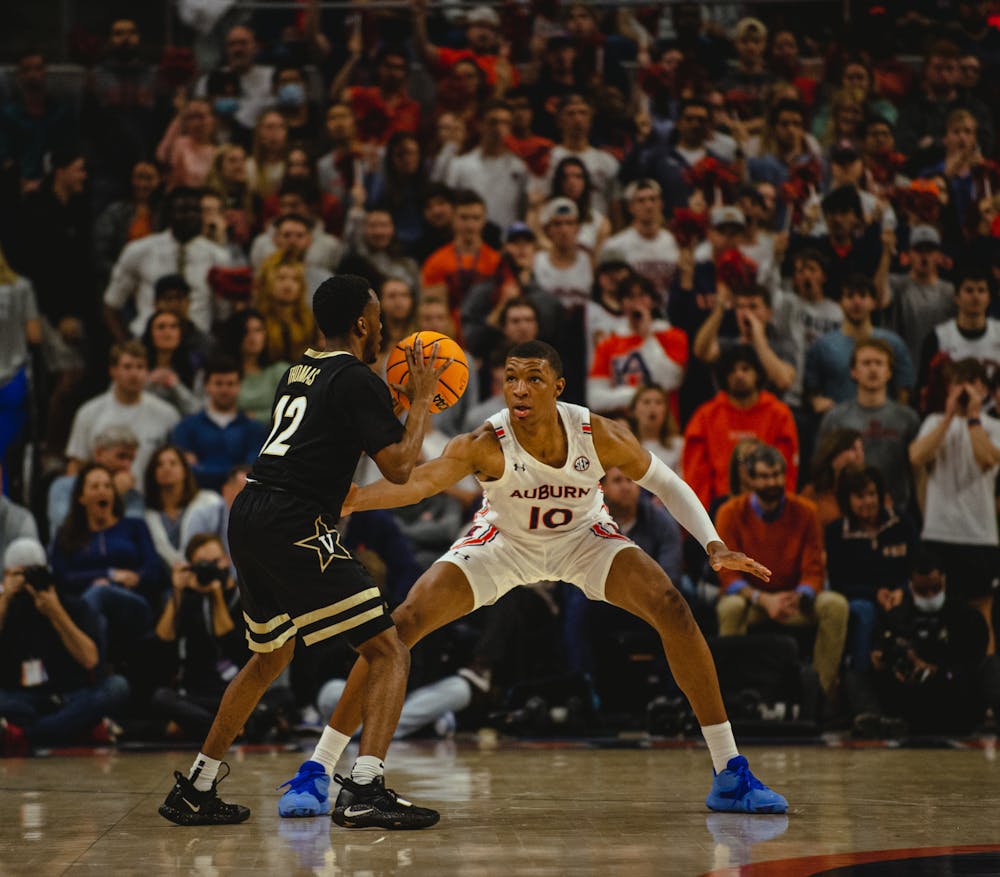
[520,467]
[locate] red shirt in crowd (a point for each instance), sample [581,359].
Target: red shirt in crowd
[377,118]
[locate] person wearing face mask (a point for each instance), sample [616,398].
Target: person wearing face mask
[53,688]
[784,529]
[925,660]
[291,99]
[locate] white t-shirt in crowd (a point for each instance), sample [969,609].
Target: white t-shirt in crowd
[654,258]
[144,261]
[602,167]
[500,180]
[570,285]
[960,507]
[151,420]
[803,322]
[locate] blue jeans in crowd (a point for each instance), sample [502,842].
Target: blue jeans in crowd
[123,616]
[861,632]
[49,719]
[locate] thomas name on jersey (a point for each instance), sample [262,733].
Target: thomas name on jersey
[552,491]
[302,374]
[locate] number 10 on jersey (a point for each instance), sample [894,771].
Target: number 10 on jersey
[550,519]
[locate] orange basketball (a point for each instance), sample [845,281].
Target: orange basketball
[453,380]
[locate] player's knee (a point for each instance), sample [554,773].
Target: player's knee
[386,647]
[407,621]
[668,606]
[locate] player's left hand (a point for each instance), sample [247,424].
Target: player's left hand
[721,557]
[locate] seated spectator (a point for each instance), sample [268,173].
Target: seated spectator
[244,339]
[655,425]
[828,379]
[959,453]
[173,293]
[220,436]
[201,635]
[52,686]
[266,164]
[571,179]
[385,106]
[837,448]
[214,517]
[492,169]
[254,80]
[125,403]
[484,311]
[739,410]
[926,657]
[751,322]
[784,533]
[298,229]
[172,495]
[20,329]
[455,268]
[643,355]
[188,145]
[108,560]
[373,251]
[645,245]
[171,367]
[400,188]
[886,427]
[283,300]
[179,250]
[115,449]
[922,118]
[128,220]
[16,522]
[867,556]
[971,333]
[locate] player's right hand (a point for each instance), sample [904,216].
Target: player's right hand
[421,384]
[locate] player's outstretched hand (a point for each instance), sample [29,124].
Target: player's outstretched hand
[722,558]
[423,375]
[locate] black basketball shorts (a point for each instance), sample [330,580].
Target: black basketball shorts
[295,577]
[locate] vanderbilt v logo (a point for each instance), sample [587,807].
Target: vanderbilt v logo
[326,543]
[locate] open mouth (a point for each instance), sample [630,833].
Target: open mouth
[521,410]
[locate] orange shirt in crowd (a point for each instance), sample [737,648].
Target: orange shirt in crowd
[448,58]
[458,273]
[791,545]
[718,425]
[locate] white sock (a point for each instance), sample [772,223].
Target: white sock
[366,769]
[329,748]
[203,772]
[721,744]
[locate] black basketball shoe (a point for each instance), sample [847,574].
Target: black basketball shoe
[185,805]
[375,806]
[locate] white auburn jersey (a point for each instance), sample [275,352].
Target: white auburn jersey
[531,501]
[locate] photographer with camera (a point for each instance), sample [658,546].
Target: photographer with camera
[926,661]
[960,452]
[200,635]
[51,686]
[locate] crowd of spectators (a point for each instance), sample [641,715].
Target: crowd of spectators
[770,245]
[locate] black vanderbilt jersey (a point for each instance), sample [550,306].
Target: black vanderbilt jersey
[328,410]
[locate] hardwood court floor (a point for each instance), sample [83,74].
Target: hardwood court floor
[507,811]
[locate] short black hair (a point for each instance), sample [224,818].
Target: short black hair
[859,284]
[843,199]
[292,217]
[736,354]
[171,283]
[182,192]
[220,364]
[809,254]
[465,197]
[538,350]
[924,560]
[339,301]
[438,190]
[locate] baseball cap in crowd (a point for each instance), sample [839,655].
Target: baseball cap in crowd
[751,26]
[726,214]
[844,152]
[925,237]
[610,259]
[518,231]
[24,552]
[558,207]
[482,15]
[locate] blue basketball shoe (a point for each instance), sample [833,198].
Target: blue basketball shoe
[308,792]
[737,790]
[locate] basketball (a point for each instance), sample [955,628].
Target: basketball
[453,380]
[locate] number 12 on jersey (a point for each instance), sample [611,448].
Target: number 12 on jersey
[276,444]
[551,519]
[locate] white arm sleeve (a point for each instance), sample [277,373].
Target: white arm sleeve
[681,501]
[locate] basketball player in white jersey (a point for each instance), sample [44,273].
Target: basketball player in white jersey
[543,518]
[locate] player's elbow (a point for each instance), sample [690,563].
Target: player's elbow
[397,472]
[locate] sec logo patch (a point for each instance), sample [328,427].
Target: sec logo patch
[581,464]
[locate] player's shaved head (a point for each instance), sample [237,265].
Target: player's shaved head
[339,302]
[538,350]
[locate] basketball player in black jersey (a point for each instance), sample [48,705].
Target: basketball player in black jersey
[297,581]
